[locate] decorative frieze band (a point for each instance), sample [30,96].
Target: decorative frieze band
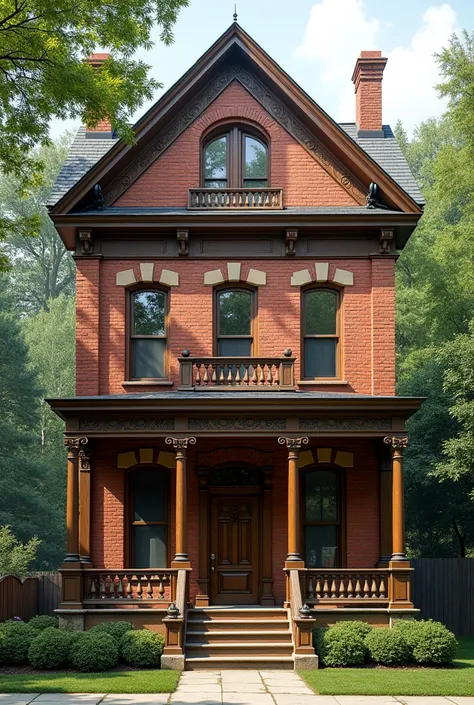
[234,274]
[342,277]
[147,272]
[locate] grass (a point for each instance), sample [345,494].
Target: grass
[111,682]
[458,680]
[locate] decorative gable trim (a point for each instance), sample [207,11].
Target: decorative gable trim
[273,106]
[127,276]
[343,277]
[234,274]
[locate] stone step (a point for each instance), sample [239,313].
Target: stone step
[241,635]
[225,624]
[266,614]
[234,648]
[221,663]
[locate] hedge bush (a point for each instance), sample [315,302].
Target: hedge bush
[115,629]
[43,621]
[141,648]
[15,640]
[430,642]
[387,647]
[343,644]
[94,652]
[50,649]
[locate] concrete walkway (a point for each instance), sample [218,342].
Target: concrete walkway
[230,688]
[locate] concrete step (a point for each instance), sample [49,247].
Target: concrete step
[218,663]
[214,636]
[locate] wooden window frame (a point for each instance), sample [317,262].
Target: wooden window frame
[129,513]
[341,508]
[337,335]
[235,162]
[235,286]
[130,336]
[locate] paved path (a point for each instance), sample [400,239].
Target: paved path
[230,688]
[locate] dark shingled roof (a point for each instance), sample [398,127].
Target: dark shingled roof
[291,210]
[85,152]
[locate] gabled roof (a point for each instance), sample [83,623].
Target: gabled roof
[358,161]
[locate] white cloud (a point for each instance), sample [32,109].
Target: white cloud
[338,30]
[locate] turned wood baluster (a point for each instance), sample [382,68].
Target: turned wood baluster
[318,588]
[342,588]
[246,375]
[382,587]
[161,589]
[214,375]
[254,374]
[350,588]
[269,376]
[333,587]
[325,587]
[260,374]
[276,376]
[373,587]
[102,588]
[205,379]
[366,587]
[221,375]
[92,588]
[149,590]
[237,379]
[119,588]
[358,588]
[139,591]
[198,373]
[230,376]
[310,588]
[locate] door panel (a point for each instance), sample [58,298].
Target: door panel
[234,543]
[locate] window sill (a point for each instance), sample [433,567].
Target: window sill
[322,382]
[148,383]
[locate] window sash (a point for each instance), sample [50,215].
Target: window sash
[236,160]
[321,336]
[132,337]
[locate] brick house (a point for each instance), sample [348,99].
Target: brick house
[235,448]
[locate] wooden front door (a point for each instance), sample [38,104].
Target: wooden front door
[234,547]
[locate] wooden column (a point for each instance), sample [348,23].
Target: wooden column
[293,559]
[85,506]
[398,514]
[74,446]
[181,559]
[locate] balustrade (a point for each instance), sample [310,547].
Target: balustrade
[239,198]
[346,584]
[269,373]
[100,585]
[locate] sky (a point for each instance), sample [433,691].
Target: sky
[317,44]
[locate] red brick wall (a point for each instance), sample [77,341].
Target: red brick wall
[167,180]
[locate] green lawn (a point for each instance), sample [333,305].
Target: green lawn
[112,682]
[458,680]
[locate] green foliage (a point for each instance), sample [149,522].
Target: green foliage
[343,644]
[94,652]
[115,629]
[44,621]
[141,648]
[387,647]
[15,557]
[15,640]
[430,643]
[50,649]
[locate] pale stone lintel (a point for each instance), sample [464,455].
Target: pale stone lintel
[168,460]
[169,277]
[344,459]
[322,271]
[301,277]
[305,458]
[125,278]
[324,455]
[256,277]
[126,460]
[214,276]
[146,455]
[146,271]
[343,277]
[233,271]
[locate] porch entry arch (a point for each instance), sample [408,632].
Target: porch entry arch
[235,526]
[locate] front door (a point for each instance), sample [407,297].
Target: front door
[234,544]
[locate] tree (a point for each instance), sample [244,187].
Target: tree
[43,44]
[15,557]
[42,269]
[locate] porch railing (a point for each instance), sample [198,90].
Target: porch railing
[237,373]
[118,586]
[235,198]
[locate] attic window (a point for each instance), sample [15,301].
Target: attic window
[235,158]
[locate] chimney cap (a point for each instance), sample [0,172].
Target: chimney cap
[369,66]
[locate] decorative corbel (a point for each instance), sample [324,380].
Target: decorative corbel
[87,243]
[385,240]
[290,241]
[183,242]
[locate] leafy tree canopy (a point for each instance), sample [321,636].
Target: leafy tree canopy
[16,557]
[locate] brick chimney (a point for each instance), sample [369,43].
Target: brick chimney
[367,79]
[103,129]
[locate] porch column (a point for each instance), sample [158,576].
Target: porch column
[293,559]
[397,443]
[84,456]
[74,447]
[180,445]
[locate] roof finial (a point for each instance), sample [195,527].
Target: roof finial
[235,12]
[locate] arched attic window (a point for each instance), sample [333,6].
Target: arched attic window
[235,157]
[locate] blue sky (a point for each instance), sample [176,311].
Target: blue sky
[317,43]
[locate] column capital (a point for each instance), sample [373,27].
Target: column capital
[74,445]
[84,456]
[293,443]
[398,443]
[180,444]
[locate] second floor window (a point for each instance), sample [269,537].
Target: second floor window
[320,329]
[234,322]
[235,158]
[148,354]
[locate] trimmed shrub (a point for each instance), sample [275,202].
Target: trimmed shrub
[115,629]
[387,647]
[15,640]
[50,649]
[43,621]
[94,652]
[343,644]
[430,642]
[141,648]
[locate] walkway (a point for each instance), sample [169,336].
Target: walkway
[230,688]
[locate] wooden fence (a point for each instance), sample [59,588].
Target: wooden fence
[38,594]
[443,589]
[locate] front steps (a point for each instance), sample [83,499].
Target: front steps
[238,637]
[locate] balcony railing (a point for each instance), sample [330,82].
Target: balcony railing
[109,587]
[236,373]
[235,198]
